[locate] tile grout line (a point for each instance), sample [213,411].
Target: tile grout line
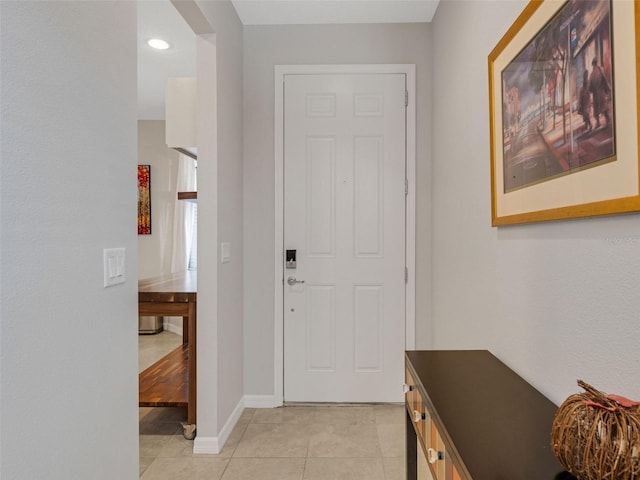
[319,418]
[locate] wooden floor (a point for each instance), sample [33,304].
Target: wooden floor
[166,382]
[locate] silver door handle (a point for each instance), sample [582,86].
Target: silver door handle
[291,280]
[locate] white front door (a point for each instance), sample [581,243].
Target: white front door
[344,215]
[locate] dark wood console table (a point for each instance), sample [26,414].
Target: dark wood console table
[172,380]
[476,419]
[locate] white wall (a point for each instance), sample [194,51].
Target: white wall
[231,300]
[220,286]
[556,301]
[154,251]
[68,371]
[265,47]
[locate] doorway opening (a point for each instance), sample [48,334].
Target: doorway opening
[280,271]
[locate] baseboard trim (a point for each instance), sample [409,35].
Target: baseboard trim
[214,445]
[170,327]
[261,401]
[206,445]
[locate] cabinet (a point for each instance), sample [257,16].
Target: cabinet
[475,419]
[181,112]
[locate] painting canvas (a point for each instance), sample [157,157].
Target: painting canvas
[563,98]
[558,98]
[144,199]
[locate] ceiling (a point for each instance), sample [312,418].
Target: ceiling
[159,18]
[281,12]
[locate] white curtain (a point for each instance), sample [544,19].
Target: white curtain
[184,216]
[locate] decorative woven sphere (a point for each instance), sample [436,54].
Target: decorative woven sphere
[597,436]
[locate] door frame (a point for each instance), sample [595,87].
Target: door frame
[409,70]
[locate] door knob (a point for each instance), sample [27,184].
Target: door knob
[291,280]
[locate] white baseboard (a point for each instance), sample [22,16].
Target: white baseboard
[261,401]
[204,445]
[171,327]
[214,445]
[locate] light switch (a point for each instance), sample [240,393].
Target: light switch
[114,266]
[225,252]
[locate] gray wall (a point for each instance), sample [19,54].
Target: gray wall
[265,47]
[556,301]
[220,220]
[154,251]
[68,371]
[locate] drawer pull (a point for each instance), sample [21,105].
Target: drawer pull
[418,416]
[433,455]
[406,388]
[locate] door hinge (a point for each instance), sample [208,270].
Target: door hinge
[406,275]
[406,98]
[406,187]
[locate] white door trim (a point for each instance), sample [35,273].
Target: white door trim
[280,71]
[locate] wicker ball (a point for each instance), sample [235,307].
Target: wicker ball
[597,436]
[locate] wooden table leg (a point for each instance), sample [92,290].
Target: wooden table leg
[185,330]
[411,448]
[191,328]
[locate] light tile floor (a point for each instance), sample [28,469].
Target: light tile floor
[337,442]
[152,348]
[288,443]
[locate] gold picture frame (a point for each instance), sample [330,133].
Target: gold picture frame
[564,111]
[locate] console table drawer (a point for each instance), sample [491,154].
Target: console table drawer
[415,406]
[431,442]
[478,420]
[438,457]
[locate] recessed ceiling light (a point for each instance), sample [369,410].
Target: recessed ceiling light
[158,44]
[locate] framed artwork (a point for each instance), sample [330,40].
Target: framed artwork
[564,116]
[144,199]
